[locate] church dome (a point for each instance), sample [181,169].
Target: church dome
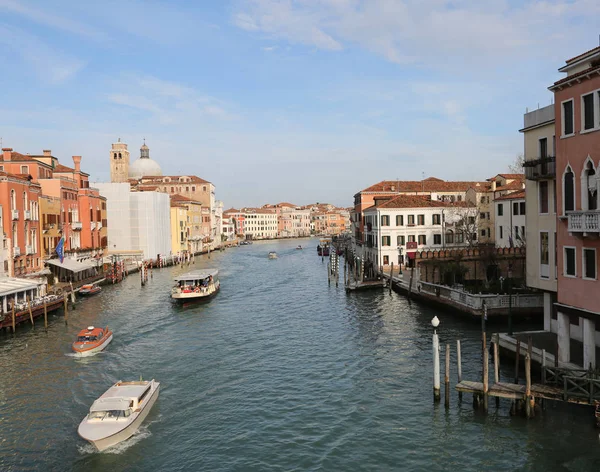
[144,166]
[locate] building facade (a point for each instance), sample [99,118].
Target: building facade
[392,222]
[510,220]
[577,126]
[540,205]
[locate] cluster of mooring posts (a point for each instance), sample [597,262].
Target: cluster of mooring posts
[579,386]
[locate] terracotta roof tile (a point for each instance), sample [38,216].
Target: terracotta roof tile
[574,76]
[576,58]
[513,176]
[431,184]
[512,195]
[180,198]
[60,168]
[416,201]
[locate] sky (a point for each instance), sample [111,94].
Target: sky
[285,100]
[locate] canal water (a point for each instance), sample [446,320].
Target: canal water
[279,372]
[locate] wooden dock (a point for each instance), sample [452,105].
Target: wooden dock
[513,391]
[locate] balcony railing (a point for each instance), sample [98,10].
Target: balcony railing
[93,225]
[49,226]
[584,221]
[15,214]
[540,169]
[76,225]
[27,215]
[98,226]
[16,251]
[29,250]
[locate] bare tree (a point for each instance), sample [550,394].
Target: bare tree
[517,166]
[463,221]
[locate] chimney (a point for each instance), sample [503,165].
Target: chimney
[77,162]
[6,154]
[47,152]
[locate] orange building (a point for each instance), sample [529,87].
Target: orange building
[20,222]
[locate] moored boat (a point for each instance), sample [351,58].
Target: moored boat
[196,285]
[299,246]
[118,413]
[272,255]
[92,340]
[89,289]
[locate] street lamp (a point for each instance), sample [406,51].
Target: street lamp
[435,322]
[400,249]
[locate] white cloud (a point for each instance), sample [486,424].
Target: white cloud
[433,33]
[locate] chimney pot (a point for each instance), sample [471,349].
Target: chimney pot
[6,154]
[47,152]
[77,162]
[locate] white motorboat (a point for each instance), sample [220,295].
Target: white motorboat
[118,413]
[272,255]
[196,285]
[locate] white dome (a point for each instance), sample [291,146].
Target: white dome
[143,167]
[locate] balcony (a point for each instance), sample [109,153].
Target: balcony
[76,225]
[48,226]
[27,215]
[540,169]
[584,222]
[16,251]
[93,225]
[29,250]
[15,214]
[98,226]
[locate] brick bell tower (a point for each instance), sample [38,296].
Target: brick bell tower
[119,162]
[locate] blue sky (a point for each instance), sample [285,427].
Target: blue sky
[285,100]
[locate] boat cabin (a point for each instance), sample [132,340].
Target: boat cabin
[120,401]
[15,292]
[196,281]
[90,334]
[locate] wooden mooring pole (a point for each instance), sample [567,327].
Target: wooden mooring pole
[66,309]
[529,400]
[447,378]
[13,315]
[391,276]
[329,273]
[485,373]
[497,365]
[30,313]
[459,366]
[517,361]
[45,316]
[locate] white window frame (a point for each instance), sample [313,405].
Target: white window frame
[596,101]
[562,119]
[539,196]
[583,249]
[564,212]
[565,262]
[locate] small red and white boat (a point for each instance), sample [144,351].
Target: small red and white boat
[92,340]
[89,289]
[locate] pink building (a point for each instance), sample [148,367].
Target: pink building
[577,144]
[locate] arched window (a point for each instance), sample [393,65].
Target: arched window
[449,237]
[115,154]
[15,243]
[24,201]
[119,155]
[589,190]
[568,190]
[13,200]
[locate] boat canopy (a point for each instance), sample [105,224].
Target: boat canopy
[197,275]
[107,404]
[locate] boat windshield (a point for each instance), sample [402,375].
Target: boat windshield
[83,339]
[110,414]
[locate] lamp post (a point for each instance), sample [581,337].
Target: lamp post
[435,322]
[510,331]
[400,249]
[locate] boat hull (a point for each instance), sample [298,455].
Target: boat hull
[185,298]
[127,431]
[84,352]
[89,293]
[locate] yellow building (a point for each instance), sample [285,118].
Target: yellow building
[51,227]
[186,225]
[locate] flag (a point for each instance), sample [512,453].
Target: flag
[60,249]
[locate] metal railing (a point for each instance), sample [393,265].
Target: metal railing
[539,169]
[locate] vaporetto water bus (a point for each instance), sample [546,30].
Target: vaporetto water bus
[196,285]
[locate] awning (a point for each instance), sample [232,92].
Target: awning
[71,265]
[10,285]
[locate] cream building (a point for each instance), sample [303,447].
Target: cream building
[540,204]
[392,222]
[259,223]
[510,219]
